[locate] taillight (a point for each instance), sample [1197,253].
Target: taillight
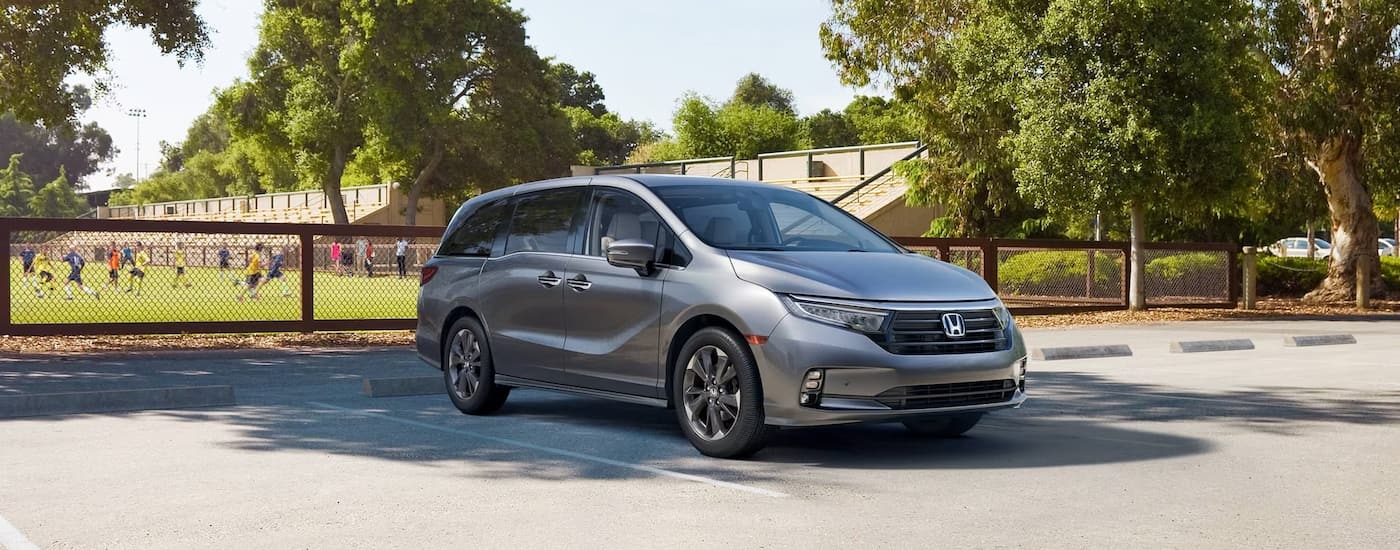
[427,274]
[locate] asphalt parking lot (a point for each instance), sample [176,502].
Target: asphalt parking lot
[1273,447]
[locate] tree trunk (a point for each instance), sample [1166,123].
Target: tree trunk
[1137,292]
[1354,225]
[415,191]
[1312,242]
[331,186]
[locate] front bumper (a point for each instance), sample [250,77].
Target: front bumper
[860,376]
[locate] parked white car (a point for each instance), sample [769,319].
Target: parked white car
[1297,247]
[1386,247]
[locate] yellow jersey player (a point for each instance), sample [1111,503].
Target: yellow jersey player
[180,267]
[138,273]
[45,267]
[253,273]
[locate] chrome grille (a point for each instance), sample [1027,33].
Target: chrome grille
[935,396]
[921,333]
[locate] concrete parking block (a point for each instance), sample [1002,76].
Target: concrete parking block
[1318,340]
[1080,352]
[398,387]
[1199,346]
[45,404]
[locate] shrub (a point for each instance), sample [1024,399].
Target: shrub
[1188,274]
[1059,273]
[1289,276]
[1390,272]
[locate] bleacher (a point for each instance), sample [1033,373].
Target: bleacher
[290,207]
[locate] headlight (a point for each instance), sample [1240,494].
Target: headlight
[854,318]
[1003,316]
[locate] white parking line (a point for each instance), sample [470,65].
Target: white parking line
[12,539]
[561,452]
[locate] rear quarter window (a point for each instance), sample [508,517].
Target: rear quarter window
[477,233]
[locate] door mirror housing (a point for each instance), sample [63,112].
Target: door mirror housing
[632,253]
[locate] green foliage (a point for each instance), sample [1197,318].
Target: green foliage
[16,188]
[658,151]
[879,120]
[829,128]
[1054,272]
[1288,276]
[62,145]
[1179,266]
[1390,272]
[45,43]
[755,91]
[56,200]
[212,162]
[704,129]
[607,139]
[578,89]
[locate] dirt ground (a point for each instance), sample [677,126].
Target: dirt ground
[1270,309]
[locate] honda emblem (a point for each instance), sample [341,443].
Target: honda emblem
[953,325]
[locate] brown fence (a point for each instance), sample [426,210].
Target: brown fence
[1054,276]
[188,286]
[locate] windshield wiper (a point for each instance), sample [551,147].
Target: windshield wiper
[758,248]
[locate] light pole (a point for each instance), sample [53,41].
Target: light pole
[138,114]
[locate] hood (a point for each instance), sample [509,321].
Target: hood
[876,276]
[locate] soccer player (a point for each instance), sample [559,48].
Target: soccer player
[114,266]
[138,273]
[361,246]
[274,271]
[253,272]
[75,275]
[180,267]
[369,259]
[26,259]
[44,265]
[127,256]
[223,262]
[335,258]
[401,256]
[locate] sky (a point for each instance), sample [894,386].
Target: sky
[645,53]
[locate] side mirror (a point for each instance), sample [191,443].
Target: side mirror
[632,253]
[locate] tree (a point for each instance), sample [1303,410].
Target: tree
[955,64]
[42,44]
[454,80]
[1337,89]
[578,89]
[829,128]
[607,139]
[755,91]
[704,129]
[61,145]
[16,188]
[56,200]
[1139,103]
[307,91]
[879,120]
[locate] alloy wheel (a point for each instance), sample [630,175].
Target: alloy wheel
[464,363]
[711,393]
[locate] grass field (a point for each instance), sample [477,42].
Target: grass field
[209,298]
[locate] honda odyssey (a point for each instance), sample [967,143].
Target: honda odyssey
[743,306]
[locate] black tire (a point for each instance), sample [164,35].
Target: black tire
[716,422]
[952,425]
[486,396]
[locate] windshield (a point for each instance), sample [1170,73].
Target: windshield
[736,217]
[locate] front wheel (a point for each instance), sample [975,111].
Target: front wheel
[952,425]
[718,395]
[468,371]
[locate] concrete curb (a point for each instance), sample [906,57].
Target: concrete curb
[399,387]
[45,404]
[231,353]
[1309,340]
[1080,352]
[1199,346]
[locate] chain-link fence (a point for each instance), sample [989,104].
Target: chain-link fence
[112,276]
[1048,275]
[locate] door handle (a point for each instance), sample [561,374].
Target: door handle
[580,283]
[549,279]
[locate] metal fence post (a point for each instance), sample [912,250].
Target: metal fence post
[308,277]
[5,319]
[1127,271]
[1250,277]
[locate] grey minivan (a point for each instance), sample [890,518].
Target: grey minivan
[744,306]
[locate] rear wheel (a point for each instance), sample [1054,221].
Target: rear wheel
[468,372]
[952,425]
[718,395]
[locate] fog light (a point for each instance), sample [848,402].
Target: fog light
[814,375]
[813,385]
[805,399]
[811,394]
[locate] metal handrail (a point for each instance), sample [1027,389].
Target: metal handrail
[872,179]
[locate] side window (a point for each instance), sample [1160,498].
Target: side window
[619,216]
[542,220]
[477,233]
